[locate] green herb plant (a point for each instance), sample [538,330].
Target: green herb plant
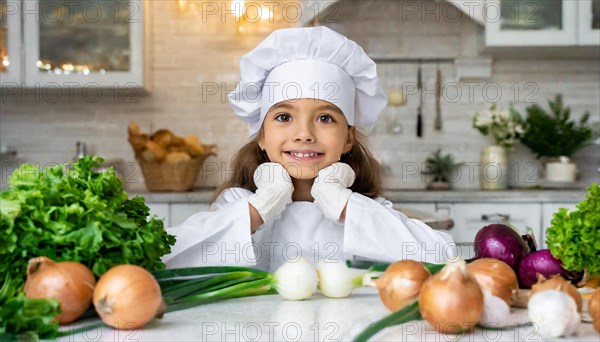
[70,212]
[574,236]
[554,134]
[440,166]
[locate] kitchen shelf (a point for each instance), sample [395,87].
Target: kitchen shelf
[204,195]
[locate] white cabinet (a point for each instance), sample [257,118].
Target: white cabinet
[175,214]
[470,217]
[72,44]
[589,22]
[541,22]
[10,42]
[181,211]
[162,211]
[548,210]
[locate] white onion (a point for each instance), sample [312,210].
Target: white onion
[296,280]
[335,278]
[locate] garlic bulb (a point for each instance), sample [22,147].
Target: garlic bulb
[557,282]
[296,280]
[495,311]
[335,278]
[554,313]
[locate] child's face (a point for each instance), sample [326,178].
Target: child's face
[305,135]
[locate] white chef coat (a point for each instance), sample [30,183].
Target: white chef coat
[372,230]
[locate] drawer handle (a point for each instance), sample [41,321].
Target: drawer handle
[490,217]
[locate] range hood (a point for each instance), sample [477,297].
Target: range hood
[313,8]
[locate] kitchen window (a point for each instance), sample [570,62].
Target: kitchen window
[72,44]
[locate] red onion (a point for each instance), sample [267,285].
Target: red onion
[500,242]
[540,262]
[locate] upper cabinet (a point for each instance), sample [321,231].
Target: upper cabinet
[541,22]
[10,42]
[72,44]
[589,22]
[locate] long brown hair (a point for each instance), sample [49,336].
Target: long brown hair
[360,159]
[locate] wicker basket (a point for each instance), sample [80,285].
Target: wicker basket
[165,176]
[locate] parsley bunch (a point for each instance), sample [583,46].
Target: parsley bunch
[71,212]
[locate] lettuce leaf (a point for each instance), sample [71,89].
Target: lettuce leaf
[71,212]
[574,236]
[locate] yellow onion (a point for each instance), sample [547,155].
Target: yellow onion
[556,282]
[128,297]
[495,276]
[71,283]
[451,300]
[594,309]
[400,283]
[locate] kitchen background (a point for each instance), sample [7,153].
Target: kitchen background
[191,60]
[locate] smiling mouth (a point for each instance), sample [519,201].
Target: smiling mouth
[304,155]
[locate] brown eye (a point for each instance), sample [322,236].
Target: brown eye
[283,117]
[326,118]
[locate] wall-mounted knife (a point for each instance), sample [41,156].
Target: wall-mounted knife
[420,109]
[438,96]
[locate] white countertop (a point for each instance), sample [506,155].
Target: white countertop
[271,318]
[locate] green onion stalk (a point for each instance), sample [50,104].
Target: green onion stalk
[181,289]
[24,317]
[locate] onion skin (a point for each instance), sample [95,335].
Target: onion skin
[71,283]
[559,283]
[496,277]
[594,309]
[540,262]
[500,242]
[401,283]
[451,300]
[127,297]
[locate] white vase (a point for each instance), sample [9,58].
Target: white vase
[493,168]
[562,170]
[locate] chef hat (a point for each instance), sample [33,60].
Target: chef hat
[314,62]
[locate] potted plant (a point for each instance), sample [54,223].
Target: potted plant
[554,138]
[440,167]
[505,128]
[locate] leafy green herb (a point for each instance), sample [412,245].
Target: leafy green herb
[71,212]
[555,134]
[440,166]
[25,315]
[574,236]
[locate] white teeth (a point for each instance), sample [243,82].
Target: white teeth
[303,155]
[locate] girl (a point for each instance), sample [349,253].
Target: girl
[305,184]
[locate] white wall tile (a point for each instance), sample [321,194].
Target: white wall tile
[187,54]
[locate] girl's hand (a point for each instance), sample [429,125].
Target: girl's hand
[330,189]
[274,191]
